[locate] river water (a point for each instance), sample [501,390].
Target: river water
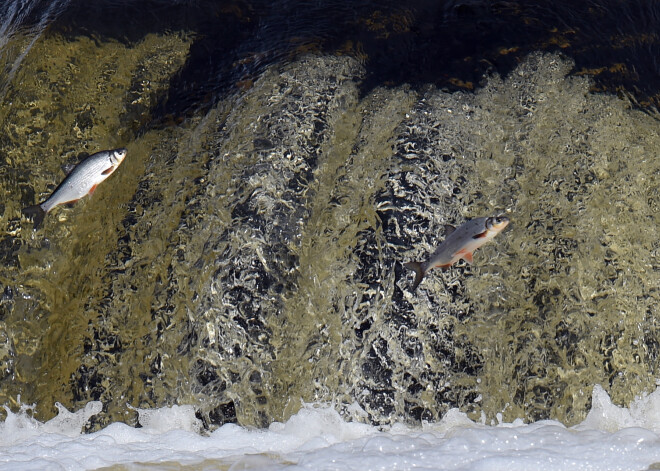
[284,161]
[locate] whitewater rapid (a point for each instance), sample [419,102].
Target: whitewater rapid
[317,438]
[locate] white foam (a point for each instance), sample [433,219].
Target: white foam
[317,438]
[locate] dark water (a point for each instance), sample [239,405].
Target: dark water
[284,160]
[448,43]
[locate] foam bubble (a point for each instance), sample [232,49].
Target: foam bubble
[318,438]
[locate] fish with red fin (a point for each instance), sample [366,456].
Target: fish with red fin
[459,243]
[82,180]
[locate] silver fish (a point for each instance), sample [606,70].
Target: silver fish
[81,181]
[459,243]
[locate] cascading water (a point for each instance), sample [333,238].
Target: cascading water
[249,257]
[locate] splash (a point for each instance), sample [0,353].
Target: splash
[22,23]
[318,438]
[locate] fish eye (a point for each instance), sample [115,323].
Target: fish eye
[497,220]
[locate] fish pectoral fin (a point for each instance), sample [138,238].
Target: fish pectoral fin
[465,255]
[480,235]
[108,170]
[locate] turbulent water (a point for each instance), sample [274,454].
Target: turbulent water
[249,257]
[21,24]
[318,438]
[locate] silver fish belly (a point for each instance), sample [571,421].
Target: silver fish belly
[459,243]
[81,181]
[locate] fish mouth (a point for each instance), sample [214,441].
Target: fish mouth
[120,153]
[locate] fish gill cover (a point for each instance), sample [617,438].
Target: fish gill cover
[251,258]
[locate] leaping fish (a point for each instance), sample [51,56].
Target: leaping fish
[459,243]
[81,181]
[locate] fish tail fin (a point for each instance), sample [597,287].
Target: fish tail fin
[36,213]
[418,268]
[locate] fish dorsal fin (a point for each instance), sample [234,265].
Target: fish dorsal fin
[449,229]
[68,168]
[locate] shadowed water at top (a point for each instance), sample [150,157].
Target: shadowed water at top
[450,44]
